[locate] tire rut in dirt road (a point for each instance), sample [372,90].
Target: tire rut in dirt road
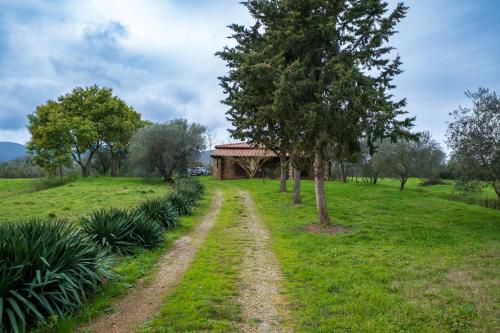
[264,308]
[142,303]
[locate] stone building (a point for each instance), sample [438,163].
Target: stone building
[229,161]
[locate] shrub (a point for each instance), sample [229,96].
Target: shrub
[147,233]
[190,186]
[47,268]
[160,211]
[433,181]
[181,201]
[112,228]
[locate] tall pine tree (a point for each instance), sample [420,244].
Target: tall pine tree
[338,69]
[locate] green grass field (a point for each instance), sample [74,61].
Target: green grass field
[81,197]
[12,187]
[413,262]
[74,199]
[444,191]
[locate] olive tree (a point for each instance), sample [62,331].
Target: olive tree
[410,158]
[474,138]
[163,149]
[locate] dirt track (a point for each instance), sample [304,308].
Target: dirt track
[263,306]
[142,303]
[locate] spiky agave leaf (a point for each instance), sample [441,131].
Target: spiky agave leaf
[47,267]
[189,185]
[147,233]
[112,228]
[160,211]
[181,201]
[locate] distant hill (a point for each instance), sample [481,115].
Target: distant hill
[204,158]
[11,150]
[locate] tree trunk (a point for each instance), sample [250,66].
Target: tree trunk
[167,178]
[343,176]
[403,182]
[60,172]
[86,167]
[296,187]
[114,165]
[319,182]
[375,178]
[496,187]
[85,170]
[283,171]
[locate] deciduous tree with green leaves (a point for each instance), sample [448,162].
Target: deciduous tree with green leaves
[50,138]
[88,118]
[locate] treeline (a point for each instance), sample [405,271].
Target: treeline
[422,158]
[23,167]
[92,130]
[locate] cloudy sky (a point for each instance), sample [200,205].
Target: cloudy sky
[159,56]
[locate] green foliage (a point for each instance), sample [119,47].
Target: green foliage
[474,137]
[20,168]
[140,266]
[148,233]
[111,228]
[160,211]
[190,186]
[433,181]
[308,75]
[77,125]
[51,295]
[163,149]
[47,268]
[50,143]
[403,159]
[181,201]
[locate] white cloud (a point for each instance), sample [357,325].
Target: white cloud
[165,65]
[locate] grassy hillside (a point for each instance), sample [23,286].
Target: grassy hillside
[12,187]
[411,261]
[74,199]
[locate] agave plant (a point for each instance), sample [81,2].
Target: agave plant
[160,211]
[47,267]
[147,233]
[181,201]
[191,186]
[112,228]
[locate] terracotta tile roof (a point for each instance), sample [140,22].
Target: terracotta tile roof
[241,149]
[242,145]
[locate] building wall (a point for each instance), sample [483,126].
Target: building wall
[216,167]
[225,168]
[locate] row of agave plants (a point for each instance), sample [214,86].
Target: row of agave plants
[49,267]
